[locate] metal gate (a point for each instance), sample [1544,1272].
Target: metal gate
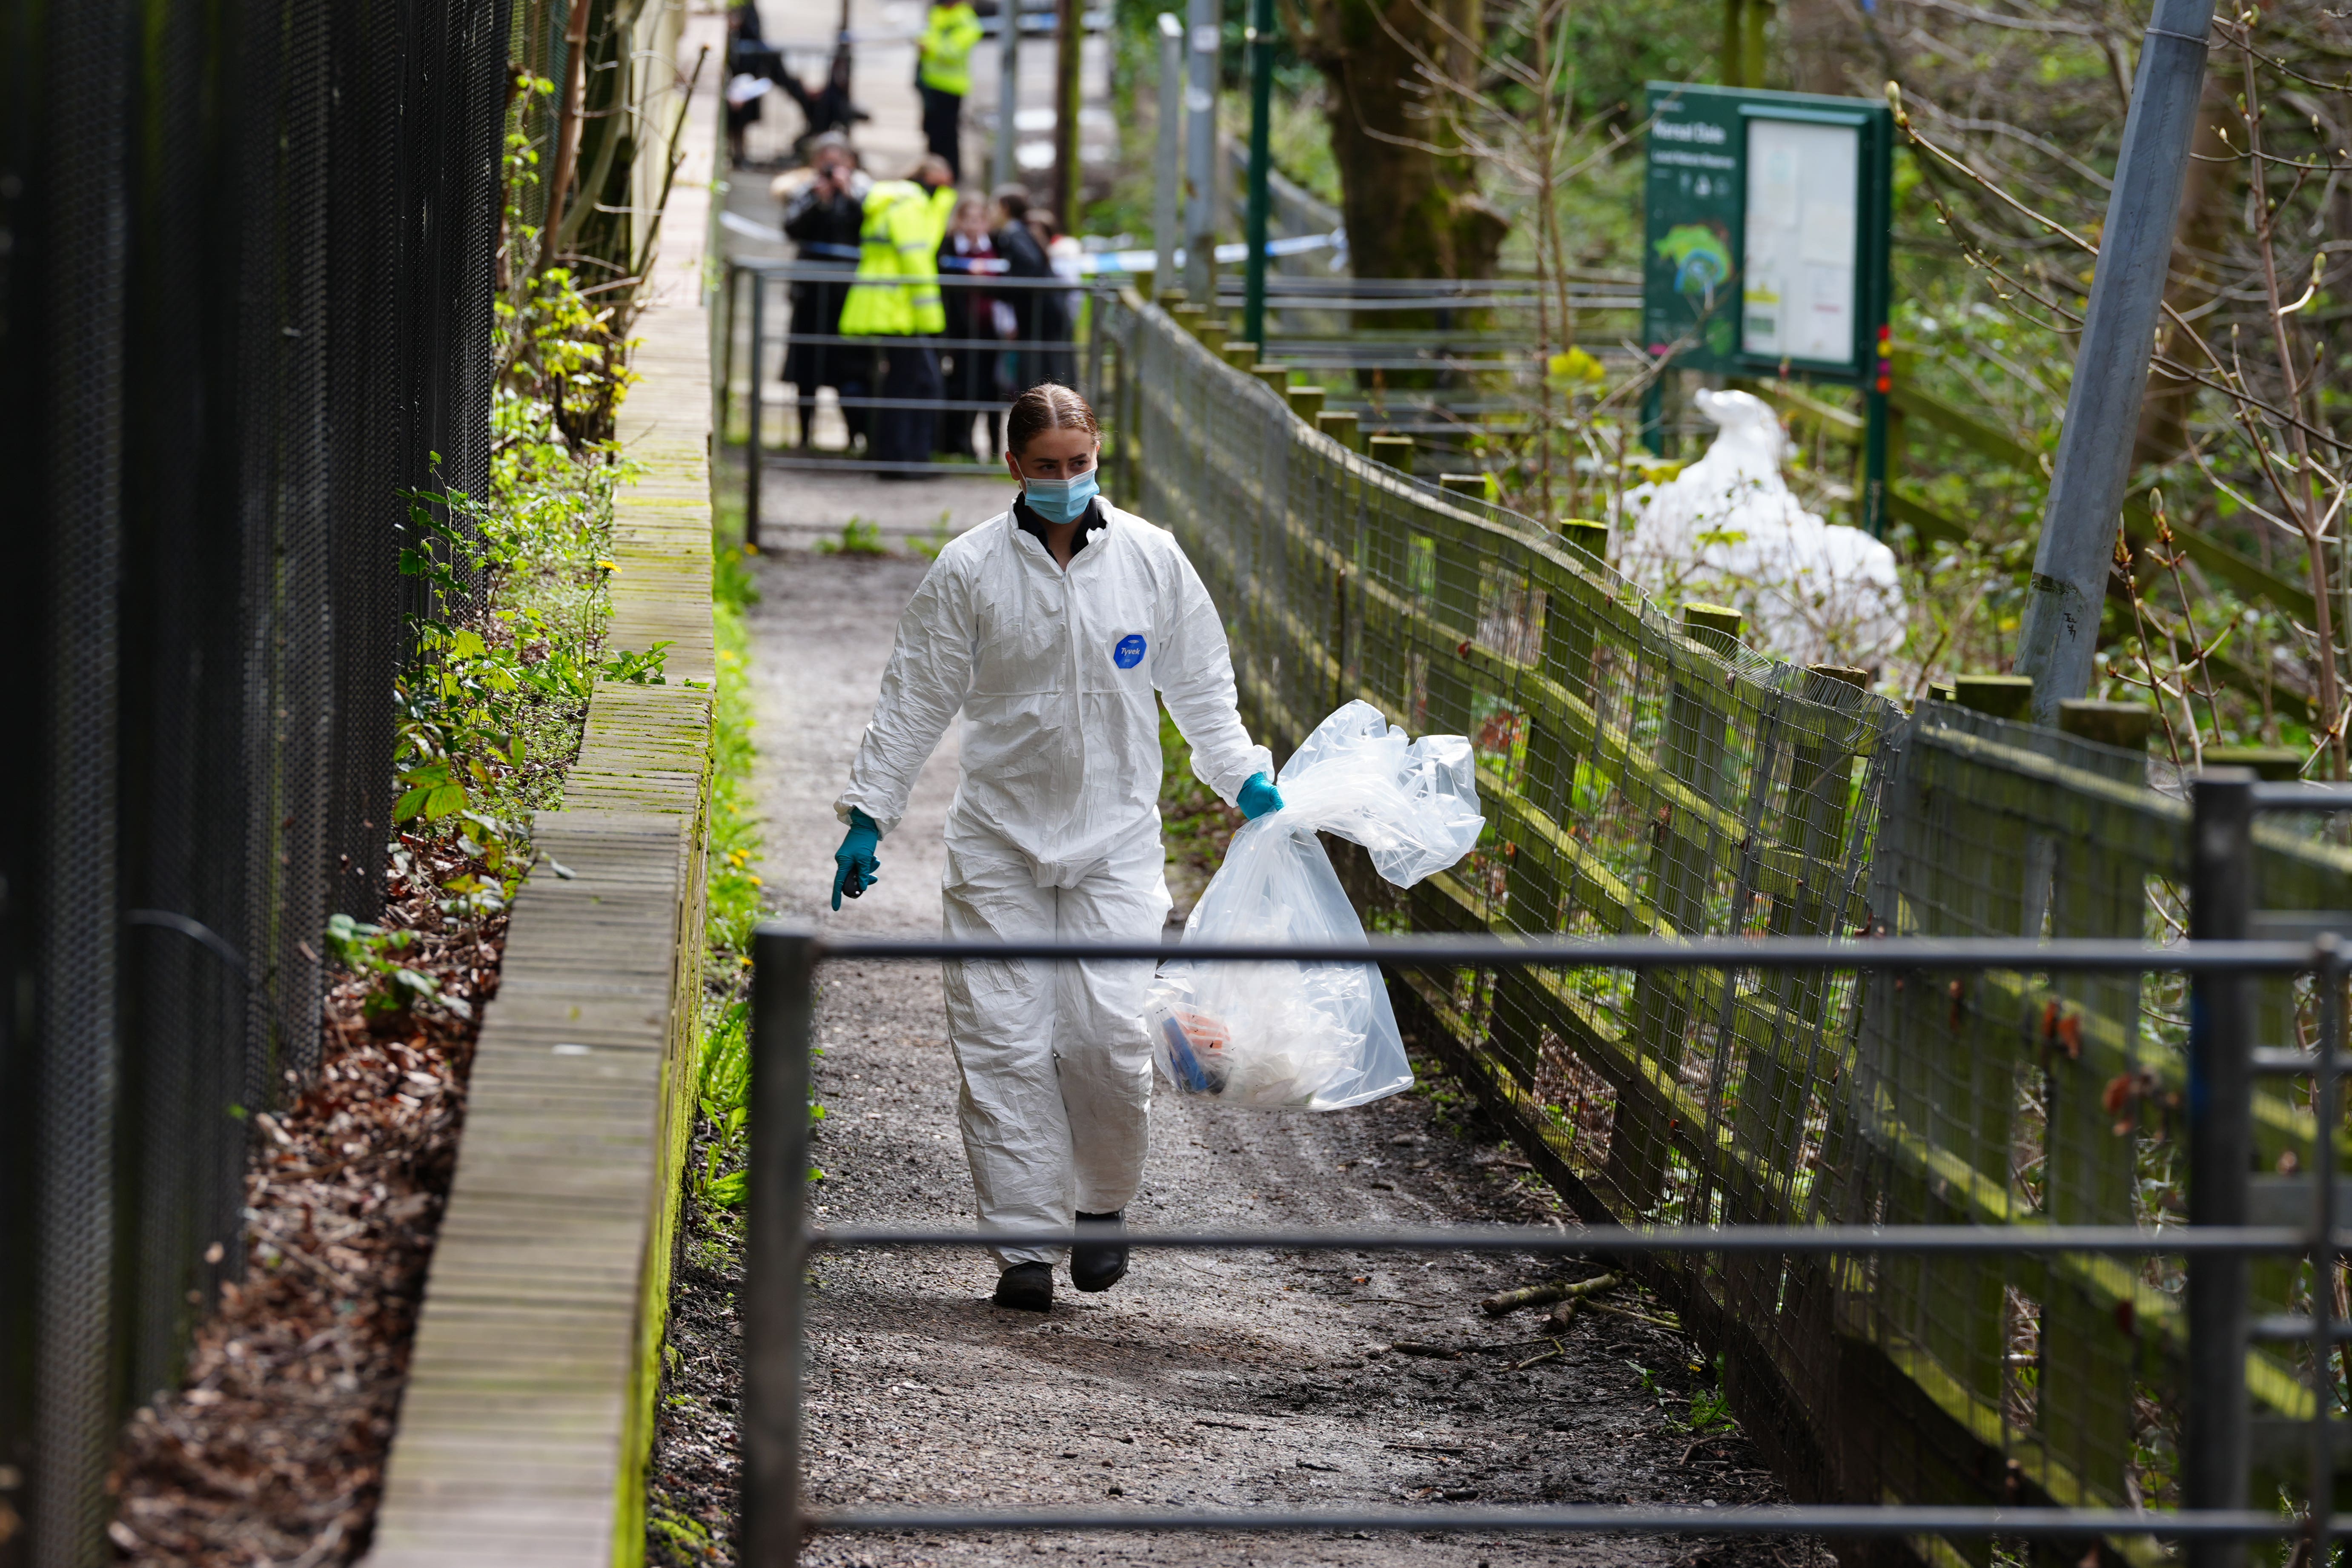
[2222,962]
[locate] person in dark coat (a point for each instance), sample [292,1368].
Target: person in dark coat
[823,221]
[977,317]
[1039,316]
[750,61]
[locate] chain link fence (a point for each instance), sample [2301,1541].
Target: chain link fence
[1646,774]
[246,274]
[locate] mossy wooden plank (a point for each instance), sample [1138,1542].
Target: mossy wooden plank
[525,1425]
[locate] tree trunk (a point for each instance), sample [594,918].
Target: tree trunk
[1412,211]
[2210,199]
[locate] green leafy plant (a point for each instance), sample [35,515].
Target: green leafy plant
[725,1096]
[939,539]
[371,952]
[858,537]
[638,668]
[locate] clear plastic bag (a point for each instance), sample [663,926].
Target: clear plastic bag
[1317,1036]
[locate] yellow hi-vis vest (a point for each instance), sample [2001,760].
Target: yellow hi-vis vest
[898,290]
[947,44]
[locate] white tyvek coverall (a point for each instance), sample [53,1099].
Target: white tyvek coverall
[1054,832]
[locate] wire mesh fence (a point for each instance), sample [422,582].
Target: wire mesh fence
[245,303]
[1646,774]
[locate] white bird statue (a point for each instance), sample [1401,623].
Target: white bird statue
[1726,530]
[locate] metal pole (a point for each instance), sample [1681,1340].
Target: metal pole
[2326,1108]
[759,408]
[1205,18]
[725,414]
[2220,1151]
[2061,640]
[783,1019]
[1008,92]
[1165,192]
[1261,71]
[1069,96]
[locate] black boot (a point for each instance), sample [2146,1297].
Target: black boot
[1100,1265]
[1028,1286]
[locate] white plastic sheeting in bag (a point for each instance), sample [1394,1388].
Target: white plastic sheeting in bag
[1317,1036]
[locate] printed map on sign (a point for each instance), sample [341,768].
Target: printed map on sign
[1803,192]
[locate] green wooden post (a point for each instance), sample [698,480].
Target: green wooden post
[1454,596]
[1590,540]
[1532,893]
[2124,724]
[1342,426]
[2271,764]
[1240,353]
[1307,402]
[1680,864]
[1396,451]
[1274,377]
[2000,695]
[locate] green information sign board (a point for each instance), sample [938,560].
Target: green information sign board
[1766,242]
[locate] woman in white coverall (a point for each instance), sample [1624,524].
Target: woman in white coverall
[1051,626]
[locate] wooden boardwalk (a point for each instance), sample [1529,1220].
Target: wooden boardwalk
[525,1428]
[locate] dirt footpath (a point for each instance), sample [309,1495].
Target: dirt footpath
[1228,1381]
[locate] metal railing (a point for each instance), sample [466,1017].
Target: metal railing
[2220,958]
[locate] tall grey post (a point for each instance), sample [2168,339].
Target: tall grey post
[783,1020]
[1008,92]
[2061,640]
[2214,1428]
[1166,191]
[1207,18]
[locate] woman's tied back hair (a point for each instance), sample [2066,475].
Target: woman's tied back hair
[1048,406]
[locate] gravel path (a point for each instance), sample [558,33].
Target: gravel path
[1206,1380]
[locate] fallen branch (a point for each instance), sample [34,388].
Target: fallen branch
[1539,1294]
[1668,1323]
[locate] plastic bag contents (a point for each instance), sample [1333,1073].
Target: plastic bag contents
[1318,1036]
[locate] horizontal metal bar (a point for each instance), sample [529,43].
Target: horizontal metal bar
[2275,1061]
[1629,952]
[2285,1328]
[2303,798]
[814,461]
[2298,925]
[2289,1200]
[845,274]
[2113,1240]
[1588,1520]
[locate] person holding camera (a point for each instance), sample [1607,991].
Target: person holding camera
[823,220]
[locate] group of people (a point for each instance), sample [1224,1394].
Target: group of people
[918,258]
[916,339]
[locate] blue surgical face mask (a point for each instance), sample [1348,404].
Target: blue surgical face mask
[1061,500]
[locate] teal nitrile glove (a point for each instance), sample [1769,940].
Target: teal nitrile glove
[1258,797]
[855,867]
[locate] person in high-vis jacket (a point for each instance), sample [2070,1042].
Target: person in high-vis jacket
[943,72]
[1057,630]
[896,298]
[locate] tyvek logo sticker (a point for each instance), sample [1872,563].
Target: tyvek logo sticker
[1130,651]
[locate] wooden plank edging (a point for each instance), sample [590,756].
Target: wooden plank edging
[527,1423]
